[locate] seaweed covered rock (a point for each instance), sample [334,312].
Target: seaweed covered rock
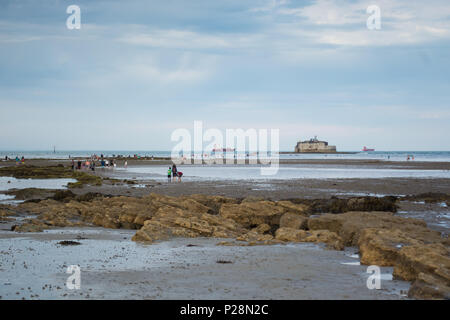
[29,193]
[51,172]
[337,205]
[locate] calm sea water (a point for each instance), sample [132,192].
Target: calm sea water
[377,155]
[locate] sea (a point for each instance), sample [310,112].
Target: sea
[440,156]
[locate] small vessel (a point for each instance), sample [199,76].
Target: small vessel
[367,149]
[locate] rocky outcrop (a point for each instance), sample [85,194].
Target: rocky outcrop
[419,258]
[252,214]
[429,287]
[51,172]
[417,253]
[337,205]
[349,225]
[428,266]
[294,221]
[176,222]
[331,239]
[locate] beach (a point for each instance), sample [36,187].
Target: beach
[115,267]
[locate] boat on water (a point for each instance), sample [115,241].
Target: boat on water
[367,149]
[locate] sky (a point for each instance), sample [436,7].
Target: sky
[137,70]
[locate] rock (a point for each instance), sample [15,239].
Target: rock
[350,224]
[252,214]
[431,259]
[212,202]
[182,203]
[6,211]
[89,196]
[106,221]
[335,205]
[381,246]
[252,199]
[262,228]
[331,239]
[63,195]
[253,236]
[299,209]
[175,222]
[290,234]
[31,225]
[29,193]
[69,243]
[294,221]
[429,287]
[50,172]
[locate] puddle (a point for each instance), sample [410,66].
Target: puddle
[354,263]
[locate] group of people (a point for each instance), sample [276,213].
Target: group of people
[91,165]
[83,165]
[173,173]
[19,160]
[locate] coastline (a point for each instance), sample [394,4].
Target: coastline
[283,281]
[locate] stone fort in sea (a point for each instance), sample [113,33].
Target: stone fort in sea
[314,146]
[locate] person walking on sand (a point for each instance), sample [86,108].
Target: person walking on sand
[126,164]
[174,171]
[169,174]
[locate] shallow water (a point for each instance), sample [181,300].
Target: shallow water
[33,266]
[253,172]
[377,155]
[8,183]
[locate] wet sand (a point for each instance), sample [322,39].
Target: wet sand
[375,164]
[33,266]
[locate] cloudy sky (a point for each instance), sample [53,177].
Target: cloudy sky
[139,69]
